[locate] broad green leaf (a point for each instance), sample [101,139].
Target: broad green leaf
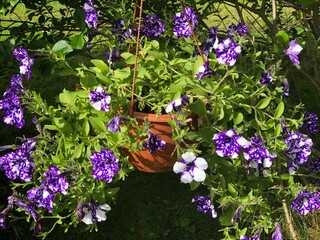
[77,42]
[198,63]
[282,37]
[225,218]
[122,73]
[264,103]
[66,97]
[97,124]
[232,190]
[55,159]
[85,128]
[63,125]
[279,110]
[237,118]
[207,134]
[61,47]
[100,64]
[198,107]
[277,130]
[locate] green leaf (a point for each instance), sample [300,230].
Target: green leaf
[282,37]
[197,65]
[89,80]
[264,103]
[198,107]
[237,118]
[279,110]
[194,185]
[207,134]
[225,218]
[77,42]
[232,190]
[97,124]
[85,128]
[122,73]
[193,136]
[79,18]
[277,130]
[55,159]
[100,64]
[63,125]
[61,48]
[66,97]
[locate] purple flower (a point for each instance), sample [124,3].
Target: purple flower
[154,142]
[256,236]
[286,88]
[239,30]
[237,213]
[306,202]
[120,29]
[93,212]
[114,124]
[13,110]
[190,167]
[204,71]
[113,56]
[176,104]
[229,143]
[299,148]
[3,217]
[256,154]
[310,123]
[277,235]
[152,26]
[212,42]
[91,13]
[266,77]
[227,52]
[293,51]
[56,183]
[14,200]
[26,62]
[105,165]
[181,27]
[16,86]
[42,197]
[99,99]
[204,205]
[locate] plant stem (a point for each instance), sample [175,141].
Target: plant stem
[292,231]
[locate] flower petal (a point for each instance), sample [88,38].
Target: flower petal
[199,175]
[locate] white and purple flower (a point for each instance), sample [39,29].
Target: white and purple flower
[152,26]
[190,167]
[91,13]
[306,202]
[93,212]
[114,124]
[181,26]
[154,142]
[99,99]
[266,77]
[176,104]
[26,62]
[204,205]
[227,52]
[293,51]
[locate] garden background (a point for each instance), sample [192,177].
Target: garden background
[149,206]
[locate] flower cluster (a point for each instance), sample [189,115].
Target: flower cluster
[176,104]
[105,165]
[26,62]
[310,123]
[18,164]
[181,26]
[227,52]
[99,99]
[204,205]
[229,143]
[11,104]
[299,148]
[44,195]
[91,13]
[93,212]
[154,142]
[190,167]
[239,30]
[293,51]
[152,26]
[306,202]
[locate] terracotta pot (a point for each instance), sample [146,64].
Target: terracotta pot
[161,160]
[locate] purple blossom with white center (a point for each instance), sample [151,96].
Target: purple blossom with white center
[227,52]
[237,213]
[26,62]
[277,234]
[257,153]
[299,148]
[212,42]
[113,56]
[266,77]
[56,182]
[154,142]
[93,212]
[99,99]
[114,124]
[152,26]
[181,26]
[239,30]
[256,236]
[310,123]
[91,13]
[306,202]
[176,104]
[293,51]
[105,165]
[42,197]
[286,88]
[190,167]
[204,205]
[120,29]
[229,143]
[13,110]
[204,71]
